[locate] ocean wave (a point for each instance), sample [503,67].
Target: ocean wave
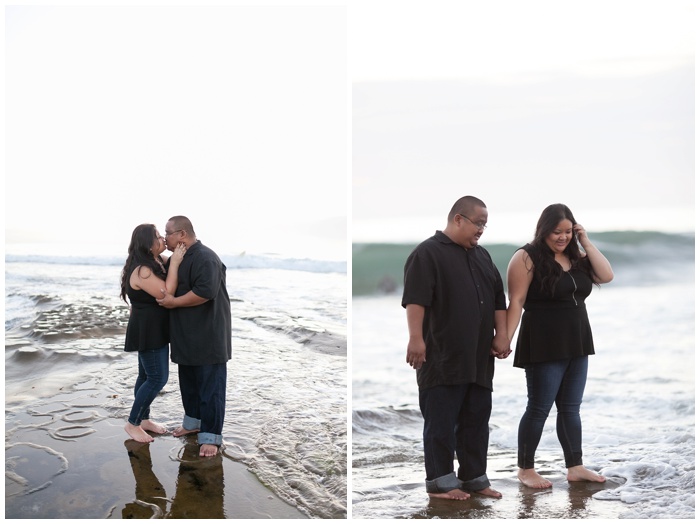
[241,261]
[637,257]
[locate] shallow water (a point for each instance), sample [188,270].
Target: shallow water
[286,419]
[638,415]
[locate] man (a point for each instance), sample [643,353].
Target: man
[200,335]
[454,299]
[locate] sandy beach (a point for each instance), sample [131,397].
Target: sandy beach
[564,500]
[70,458]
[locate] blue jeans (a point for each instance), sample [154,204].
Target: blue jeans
[563,382]
[456,419]
[203,391]
[153,375]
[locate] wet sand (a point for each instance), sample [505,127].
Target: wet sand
[68,458]
[564,500]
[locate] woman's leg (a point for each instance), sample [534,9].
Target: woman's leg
[543,381]
[569,420]
[569,410]
[153,364]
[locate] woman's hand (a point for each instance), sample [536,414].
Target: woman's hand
[178,254]
[581,235]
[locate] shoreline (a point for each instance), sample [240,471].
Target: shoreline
[67,456]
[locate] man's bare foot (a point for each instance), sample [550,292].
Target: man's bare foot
[182,431]
[581,474]
[490,492]
[149,425]
[532,479]
[455,494]
[137,433]
[208,450]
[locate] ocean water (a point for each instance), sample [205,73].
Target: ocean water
[638,411]
[286,418]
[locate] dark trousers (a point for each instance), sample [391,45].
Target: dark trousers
[563,382]
[203,391]
[153,375]
[456,419]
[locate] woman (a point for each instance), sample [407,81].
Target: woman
[143,279]
[550,278]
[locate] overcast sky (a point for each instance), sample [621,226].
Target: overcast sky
[236,116]
[522,104]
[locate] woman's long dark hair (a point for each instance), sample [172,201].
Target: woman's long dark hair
[546,268]
[140,254]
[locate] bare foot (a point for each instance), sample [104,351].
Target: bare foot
[182,431]
[137,433]
[208,450]
[490,492]
[581,474]
[149,425]
[455,494]
[532,479]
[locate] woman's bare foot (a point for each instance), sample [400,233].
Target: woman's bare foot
[208,450]
[149,425]
[490,492]
[532,479]
[581,474]
[455,494]
[182,431]
[137,433]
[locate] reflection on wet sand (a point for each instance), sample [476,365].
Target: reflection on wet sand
[67,458]
[199,491]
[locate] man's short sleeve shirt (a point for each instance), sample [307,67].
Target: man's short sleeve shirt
[201,334]
[460,289]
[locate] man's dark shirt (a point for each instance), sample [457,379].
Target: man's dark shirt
[201,335]
[461,289]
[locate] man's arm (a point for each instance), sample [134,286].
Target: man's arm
[415,354]
[500,347]
[189,299]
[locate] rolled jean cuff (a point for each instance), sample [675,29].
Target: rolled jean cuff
[443,484]
[209,438]
[476,484]
[191,424]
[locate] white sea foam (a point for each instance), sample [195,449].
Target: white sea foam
[638,412]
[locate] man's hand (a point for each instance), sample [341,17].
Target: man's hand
[500,347]
[167,301]
[415,354]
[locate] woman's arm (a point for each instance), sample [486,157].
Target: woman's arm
[175,259]
[519,275]
[602,270]
[143,278]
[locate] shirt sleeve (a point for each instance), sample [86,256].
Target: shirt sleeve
[205,278]
[419,279]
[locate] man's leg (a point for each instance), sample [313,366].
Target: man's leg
[189,392]
[473,440]
[440,407]
[212,396]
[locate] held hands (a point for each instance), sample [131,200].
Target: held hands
[415,354]
[500,347]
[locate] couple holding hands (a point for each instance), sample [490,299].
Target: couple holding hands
[458,322]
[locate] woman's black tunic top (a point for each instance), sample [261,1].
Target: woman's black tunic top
[148,326]
[555,327]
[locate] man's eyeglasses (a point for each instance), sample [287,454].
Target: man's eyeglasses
[479,225]
[177,231]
